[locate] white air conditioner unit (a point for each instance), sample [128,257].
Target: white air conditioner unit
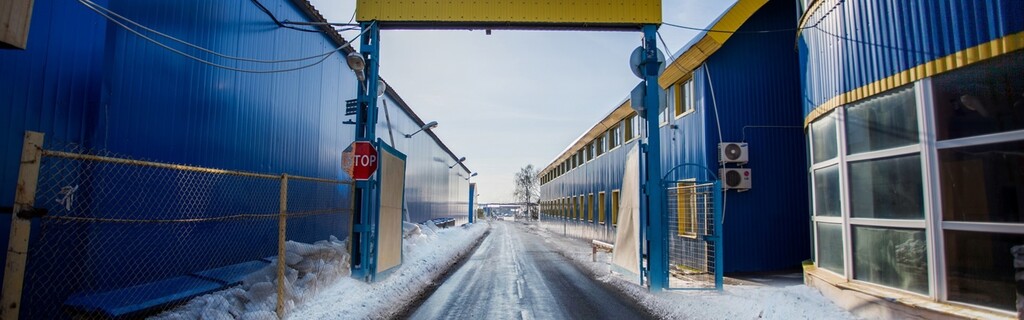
[735,178]
[732,152]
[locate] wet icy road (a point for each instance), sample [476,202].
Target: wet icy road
[514,275]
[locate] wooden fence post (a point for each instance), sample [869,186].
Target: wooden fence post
[17,247]
[282,224]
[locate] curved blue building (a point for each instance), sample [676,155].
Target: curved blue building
[914,113]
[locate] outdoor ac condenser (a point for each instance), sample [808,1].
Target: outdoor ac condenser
[735,178]
[733,152]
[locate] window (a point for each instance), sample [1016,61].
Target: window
[891,257]
[628,127]
[980,268]
[615,136]
[885,121]
[599,145]
[830,247]
[983,183]
[600,207]
[824,140]
[666,107]
[615,207]
[826,192]
[583,209]
[982,99]
[590,208]
[686,209]
[684,98]
[887,188]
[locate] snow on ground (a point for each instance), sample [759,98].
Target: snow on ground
[427,256]
[318,285]
[735,302]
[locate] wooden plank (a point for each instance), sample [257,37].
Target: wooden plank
[282,227]
[17,247]
[15,18]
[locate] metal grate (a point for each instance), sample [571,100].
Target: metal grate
[119,231]
[694,244]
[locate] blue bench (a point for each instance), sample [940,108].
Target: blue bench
[145,299]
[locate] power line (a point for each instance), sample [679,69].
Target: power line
[322,57]
[813,26]
[278,22]
[94,7]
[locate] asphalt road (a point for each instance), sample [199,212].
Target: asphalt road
[515,275]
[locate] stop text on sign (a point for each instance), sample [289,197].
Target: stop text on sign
[360,160]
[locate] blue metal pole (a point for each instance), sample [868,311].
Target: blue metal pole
[719,237]
[472,194]
[364,231]
[657,259]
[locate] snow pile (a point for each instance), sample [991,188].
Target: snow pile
[427,254]
[735,302]
[310,269]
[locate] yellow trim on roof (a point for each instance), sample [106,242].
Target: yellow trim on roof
[950,62]
[618,114]
[694,56]
[600,12]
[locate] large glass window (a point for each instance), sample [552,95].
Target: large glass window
[891,257]
[980,268]
[887,188]
[983,183]
[830,247]
[885,121]
[825,143]
[826,192]
[980,99]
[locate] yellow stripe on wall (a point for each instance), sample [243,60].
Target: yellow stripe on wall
[950,62]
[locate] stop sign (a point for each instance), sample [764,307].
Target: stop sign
[360,160]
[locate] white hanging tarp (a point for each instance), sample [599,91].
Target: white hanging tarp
[627,239]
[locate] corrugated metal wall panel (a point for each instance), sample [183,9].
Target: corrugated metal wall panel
[52,87]
[432,189]
[862,42]
[87,82]
[755,81]
[755,84]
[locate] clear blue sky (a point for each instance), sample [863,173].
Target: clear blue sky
[516,97]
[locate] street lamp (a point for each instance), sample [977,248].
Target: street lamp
[431,125]
[457,162]
[357,63]
[471,176]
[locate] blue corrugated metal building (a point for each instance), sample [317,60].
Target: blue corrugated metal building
[84,81]
[741,84]
[914,116]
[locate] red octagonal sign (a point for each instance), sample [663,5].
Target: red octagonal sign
[360,160]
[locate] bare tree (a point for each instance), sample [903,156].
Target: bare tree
[527,190]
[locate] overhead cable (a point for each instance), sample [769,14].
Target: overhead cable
[278,22]
[322,57]
[813,26]
[94,6]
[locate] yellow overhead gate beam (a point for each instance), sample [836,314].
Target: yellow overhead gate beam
[513,14]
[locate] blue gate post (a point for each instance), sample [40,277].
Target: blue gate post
[472,194]
[719,237]
[363,246]
[657,258]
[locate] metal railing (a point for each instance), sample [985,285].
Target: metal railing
[96,235]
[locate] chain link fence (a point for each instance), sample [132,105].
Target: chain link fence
[694,235]
[115,237]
